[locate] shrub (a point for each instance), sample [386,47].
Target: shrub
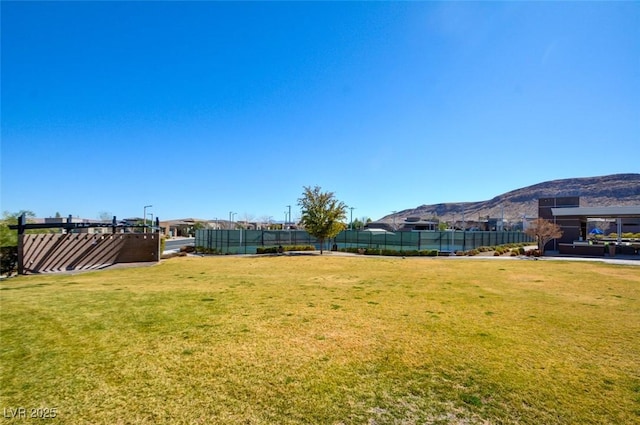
[353,250]
[299,248]
[532,253]
[274,249]
[203,250]
[267,250]
[8,260]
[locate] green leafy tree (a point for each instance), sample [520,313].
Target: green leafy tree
[198,225]
[322,213]
[9,237]
[359,224]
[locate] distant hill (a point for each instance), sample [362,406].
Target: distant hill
[612,190]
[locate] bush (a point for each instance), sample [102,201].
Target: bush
[532,253]
[8,260]
[274,249]
[203,250]
[351,250]
[300,248]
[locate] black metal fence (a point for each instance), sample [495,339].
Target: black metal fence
[247,241]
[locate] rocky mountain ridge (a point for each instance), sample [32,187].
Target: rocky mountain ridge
[610,190]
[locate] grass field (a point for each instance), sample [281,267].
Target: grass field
[325,340]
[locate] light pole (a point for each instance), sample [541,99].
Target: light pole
[144,217]
[151,214]
[289,206]
[231,214]
[351,218]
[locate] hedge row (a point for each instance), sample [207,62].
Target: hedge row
[392,252]
[274,249]
[212,251]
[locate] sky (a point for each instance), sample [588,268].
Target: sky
[202,109]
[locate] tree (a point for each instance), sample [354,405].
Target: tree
[359,224]
[196,226]
[9,237]
[543,231]
[322,214]
[105,216]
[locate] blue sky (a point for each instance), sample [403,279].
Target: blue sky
[203,108]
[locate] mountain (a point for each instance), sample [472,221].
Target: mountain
[604,191]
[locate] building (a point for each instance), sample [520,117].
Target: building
[573,219]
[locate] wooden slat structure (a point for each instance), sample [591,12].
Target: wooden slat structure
[55,252]
[45,253]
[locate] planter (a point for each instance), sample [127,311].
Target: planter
[612,250]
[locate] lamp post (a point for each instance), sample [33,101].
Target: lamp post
[144,217]
[351,218]
[289,206]
[231,214]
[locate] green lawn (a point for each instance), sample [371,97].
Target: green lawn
[325,340]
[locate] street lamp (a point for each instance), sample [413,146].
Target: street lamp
[231,214]
[144,217]
[285,221]
[351,218]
